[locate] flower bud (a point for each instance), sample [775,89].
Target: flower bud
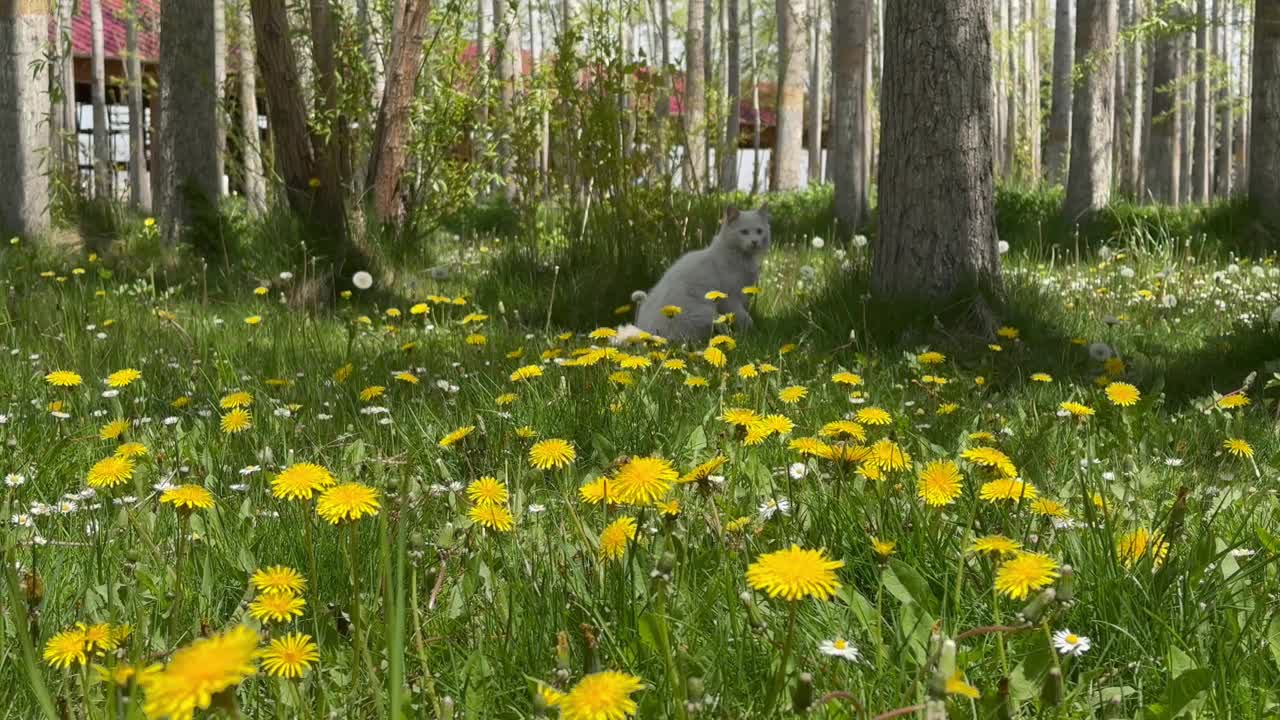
[1036,607]
[802,693]
[1066,584]
[1051,691]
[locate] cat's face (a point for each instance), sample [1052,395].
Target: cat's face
[747,230]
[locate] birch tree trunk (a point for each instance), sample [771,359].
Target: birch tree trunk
[24,107]
[139,176]
[1031,87]
[255,183]
[1202,151]
[103,168]
[787,171]
[936,249]
[1137,104]
[695,97]
[816,100]
[1226,119]
[733,99]
[850,28]
[1264,144]
[1059,142]
[1089,179]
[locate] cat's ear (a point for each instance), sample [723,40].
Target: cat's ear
[731,213]
[764,211]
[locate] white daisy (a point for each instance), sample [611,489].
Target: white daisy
[769,507]
[1068,643]
[797,470]
[840,648]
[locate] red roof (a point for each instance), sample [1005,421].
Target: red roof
[113,30]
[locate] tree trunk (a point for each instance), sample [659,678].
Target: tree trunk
[816,100]
[1264,143]
[103,167]
[936,249]
[24,108]
[1164,158]
[219,10]
[755,98]
[787,170]
[188,176]
[506,31]
[64,143]
[850,28]
[1247,40]
[255,184]
[1011,93]
[1089,179]
[1226,119]
[369,48]
[695,97]
[1059,142]
[139,177]
[317,204]
[391,134]
[998,125]
[1186,66]
[1202,151]
[1121,116]
[1137,95]
[733,99]
[1031,87]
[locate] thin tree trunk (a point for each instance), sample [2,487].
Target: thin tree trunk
[255,184]
[733,99]
[369,48]
[188,177]
[1202,152]
[1137,95]
[1011,93]
[816,100]
[1186,64]
[103,167]
[1164,159]
[506,29]
[65,145]
[1089,179]
[24,108]
[850,28]
[1264,148]
[220,86]
[1247,51]
[1031,87]
[787,171]
[139,177]
[695,97]
[755,98]
[1122,115]
[391,134]
[936,249]
[1059,141]
[1226,120]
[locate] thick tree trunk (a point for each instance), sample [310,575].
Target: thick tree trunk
[506,30]
[24,108]
[1226,119]
[850,27]
[816,100]
[255,183]
[103,167]
[188,176]
[1059,142]
[695,97]
[1202,150]
[1089,179]
[1164,157]
[733,99]
[139,177]
[787,170]
[319,204]
[1264,143]
[391,134]
[936,249]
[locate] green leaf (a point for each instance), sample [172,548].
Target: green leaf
[1273,638]
[916,626]
[908,586]
[1185,691]
[648,626]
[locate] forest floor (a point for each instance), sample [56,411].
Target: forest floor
[1118,444]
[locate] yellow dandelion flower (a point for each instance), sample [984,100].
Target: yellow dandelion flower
[407,377]
[614,538]
[278,579]
[600,696]
[991,458]
[131,450]
[1237,447]
[494,517]
[995,544]
[67,648]
[740,417]
[792,394]
[290,656]
[238,399]
[671,310]
[456,436]
[1075,409]
[938,484]
[704,470]
[526,372]
[487,491]
[236,421]
[301,480]
[1008,333]
[1046,507]
[341,374]
[1233,401]
[505,399]
[276,607]
[188,498]
[1131,547]
[1122,394]
[123,378]
[349,501]
[198,672]
[63,378]
[887,456]
[873,416]
[810,446]
[695,381]
[1041,377]
[795,573]
[882,548]
[1025,573]
[1008,489]
[113,430]
[847,429]
[109,472]
[551,454]
[715,357]
[846,378]
[599,490]
[931,358]
[643,481]
[371,393]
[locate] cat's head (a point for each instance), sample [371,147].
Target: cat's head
[746,231]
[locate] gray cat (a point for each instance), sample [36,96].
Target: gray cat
[729,264]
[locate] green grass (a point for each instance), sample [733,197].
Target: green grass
[474,617]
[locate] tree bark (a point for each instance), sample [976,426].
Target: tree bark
[1137,95]
[787,167]
[733,99]
[24,107]
[1202,151]
[1264,143]
[188,176]
[1059,142]
[850,28]
[506,30]
[139,176]
[1226,119]
[936,249]
[1010,93]
[1248,38]
[219,10]
[1164,159]
[103,167]
[1031,87]
[255,183]
[1121,116]
[816,100]
[391,134]
[1089,179]
[64,143]
[694,102]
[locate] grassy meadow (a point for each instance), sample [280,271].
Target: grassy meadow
[448,496]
